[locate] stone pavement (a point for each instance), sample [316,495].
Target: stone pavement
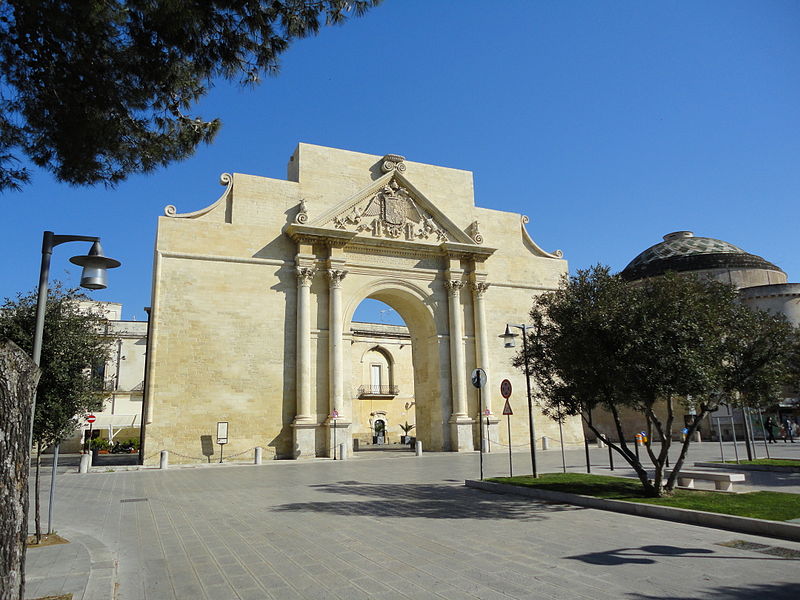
[383,526]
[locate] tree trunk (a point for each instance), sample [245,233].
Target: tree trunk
[37,514]
[18,379]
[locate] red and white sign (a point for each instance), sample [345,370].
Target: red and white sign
[335,414]
[507,408]
[91,419]
[505,388]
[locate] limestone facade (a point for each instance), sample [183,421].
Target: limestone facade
[253,299]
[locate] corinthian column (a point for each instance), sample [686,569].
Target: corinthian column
[303,374]
[457,362]
[335,277]
[481,346]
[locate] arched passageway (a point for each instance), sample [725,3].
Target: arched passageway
[395,369]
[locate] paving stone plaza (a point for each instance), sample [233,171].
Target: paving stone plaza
[384,525]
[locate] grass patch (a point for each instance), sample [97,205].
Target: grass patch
[771,462]
[774,506]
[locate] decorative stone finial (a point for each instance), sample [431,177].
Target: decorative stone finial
[474,233]
[302,214]
[393,162]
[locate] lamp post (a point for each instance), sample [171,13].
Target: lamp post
[93,277]
[508,339]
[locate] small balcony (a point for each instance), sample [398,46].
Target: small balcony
[378,391]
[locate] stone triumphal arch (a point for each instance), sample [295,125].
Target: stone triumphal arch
[254,295]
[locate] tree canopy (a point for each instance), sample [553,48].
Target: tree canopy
[601,342]
[72,349]
[96,91]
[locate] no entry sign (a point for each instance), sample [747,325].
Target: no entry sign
[91,419]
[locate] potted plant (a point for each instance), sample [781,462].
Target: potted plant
[406,439]
[100,445]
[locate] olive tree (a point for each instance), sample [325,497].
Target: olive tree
[653,346]
[72,345]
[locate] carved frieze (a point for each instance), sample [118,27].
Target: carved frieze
[391,213]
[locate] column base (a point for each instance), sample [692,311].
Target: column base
[461,433]
[305,439]
[343,435]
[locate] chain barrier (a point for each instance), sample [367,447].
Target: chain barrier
[197,458]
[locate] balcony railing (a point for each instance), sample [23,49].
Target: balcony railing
[378,391]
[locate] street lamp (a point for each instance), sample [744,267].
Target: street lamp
[94,278]
[508,339]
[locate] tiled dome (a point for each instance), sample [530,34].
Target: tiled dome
[682,251]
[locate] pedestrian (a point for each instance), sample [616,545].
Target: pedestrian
[769,427]
[788,426]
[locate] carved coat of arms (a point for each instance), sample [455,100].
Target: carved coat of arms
[391,213]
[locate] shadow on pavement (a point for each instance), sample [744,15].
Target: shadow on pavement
[646,555]
[772,591]
[429,501]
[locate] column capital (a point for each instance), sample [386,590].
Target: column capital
[305,275]
[453,286]
[335,276]
[479,287]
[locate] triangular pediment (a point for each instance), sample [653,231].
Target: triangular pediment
[392,208]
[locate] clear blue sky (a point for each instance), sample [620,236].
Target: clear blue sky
[609,124]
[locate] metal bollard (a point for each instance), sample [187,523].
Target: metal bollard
[164,464]
[85,461]
[342,451]
[257,459]
[418,448]
[545,443]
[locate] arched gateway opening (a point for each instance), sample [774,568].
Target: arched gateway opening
[395,370]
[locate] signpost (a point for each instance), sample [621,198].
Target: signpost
[90,419]
[479,380]
[222,436]
[505,391]
[334,416]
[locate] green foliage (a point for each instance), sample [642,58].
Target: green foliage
[99,444]
[406,428]
[601,342]
[768,462]
[96,91]
[68,388]
[775,506]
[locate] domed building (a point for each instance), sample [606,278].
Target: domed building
[762,285]
[682,252]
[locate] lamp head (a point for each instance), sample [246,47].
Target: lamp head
[508,337]
[94,266]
